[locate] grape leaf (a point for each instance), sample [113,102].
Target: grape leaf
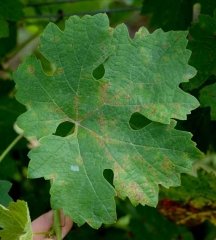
[9,10]
[4,189]
[141,75]
[196,197]
[10,109]
[150,223]
[15,222]
[171,15]
[174,15]
[199,191]
[4,29]
[203,47]
[208,98]
[8,43]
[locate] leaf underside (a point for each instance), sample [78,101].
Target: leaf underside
[141,75]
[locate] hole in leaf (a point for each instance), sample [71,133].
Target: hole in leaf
[64,129]
[108,175]
[47,66]
[99,72]
[138,121]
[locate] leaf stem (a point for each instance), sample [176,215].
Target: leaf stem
[40,233]
[57,224]
[7,150]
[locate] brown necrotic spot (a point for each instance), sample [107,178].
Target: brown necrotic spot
[31,70]
[55,39]
[103,91]
[59,71]
[52,176]
[153,111]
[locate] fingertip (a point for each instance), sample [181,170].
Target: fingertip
[67,226]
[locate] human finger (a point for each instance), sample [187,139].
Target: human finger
[43,223]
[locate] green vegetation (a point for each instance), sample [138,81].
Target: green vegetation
[122,124]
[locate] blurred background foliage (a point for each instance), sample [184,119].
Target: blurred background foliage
[187,212]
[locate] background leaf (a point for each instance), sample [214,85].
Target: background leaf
[171,15]
[4,189]
[9,10]
[193,202]
[15,222]
[151,224]
[174,15]
[203,47]
[208,98]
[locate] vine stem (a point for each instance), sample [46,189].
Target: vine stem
[7,150]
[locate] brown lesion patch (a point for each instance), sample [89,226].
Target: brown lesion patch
[52,176]
[153,111]
[87,75]
[212,95]
[62,183]
[59,71]
[102,121]
[58,110]
[179,106]
[55,39]
[135,192]
[79,160]
[165,59]
[31,70]
[103,91]
[89,222]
